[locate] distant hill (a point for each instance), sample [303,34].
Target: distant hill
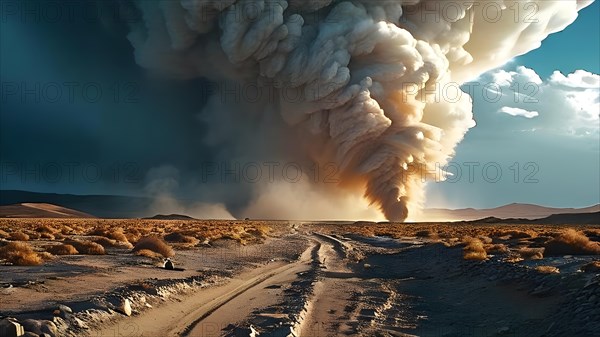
[40,210]
[554,219]
[511,211]
[113,206]
[573,218]
[102,206]
[171,217]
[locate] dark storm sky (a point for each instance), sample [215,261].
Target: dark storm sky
[78,115]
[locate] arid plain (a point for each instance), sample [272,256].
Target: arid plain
[101,277]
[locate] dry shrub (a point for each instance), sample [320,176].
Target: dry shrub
[118,235]
[19,236]
[63,249]
[46,256]
[474,249]
[87,247]
[531,253]
[180,238]
[593,234]
[45,229]
[4,235]
[261,231]
[571,242]
[66,230]
[518,234]
[98,231]
[497,248]
[133,236]
[20,254]
[147,253]
[485,239]
[33,235]
[47,236]
[547,270]
[106,243]
[154,244]
[592,267]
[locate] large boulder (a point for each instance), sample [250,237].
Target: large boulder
[10,327]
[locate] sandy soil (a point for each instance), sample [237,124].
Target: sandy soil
[311,280]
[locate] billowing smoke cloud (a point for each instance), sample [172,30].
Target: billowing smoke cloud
[364,84]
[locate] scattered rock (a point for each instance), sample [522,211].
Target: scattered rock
[77,323]
[169,265]
[253,332]
[49,328]
[60,323]
[32,325]
[65,308]
[125,307]
[9,327]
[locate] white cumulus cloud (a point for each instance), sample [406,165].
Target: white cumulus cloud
[561,104]
[519,112]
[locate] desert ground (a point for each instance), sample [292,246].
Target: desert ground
[101,277]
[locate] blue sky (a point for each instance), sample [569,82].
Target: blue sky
[554,168]
[574,48]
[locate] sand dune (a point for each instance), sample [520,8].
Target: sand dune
[40,210]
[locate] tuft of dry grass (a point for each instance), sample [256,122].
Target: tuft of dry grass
[547,270]
[62,249]
[19,236]
[531,253]
[571,242]
[155,244]
[87,247]
[518,234]
[118,235]
[592,233]
[474,249]
[108,243]
[46,256]
[105,242]
[20,254]
[4,235]
[180,238]
[45,229]
[485,239]
[259,233]
[147,253]
[47,236]
[497,248]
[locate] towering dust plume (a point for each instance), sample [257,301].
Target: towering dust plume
[370,85]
